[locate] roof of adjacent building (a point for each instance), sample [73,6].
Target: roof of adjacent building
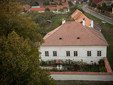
[51,8]
[74,34]
[78,16]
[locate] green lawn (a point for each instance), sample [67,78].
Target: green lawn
[107,30]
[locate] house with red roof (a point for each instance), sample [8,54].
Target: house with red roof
[54,9]
[74,41]
[58,9]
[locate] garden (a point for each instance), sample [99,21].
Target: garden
[73,66]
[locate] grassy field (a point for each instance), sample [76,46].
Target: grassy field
[83,83]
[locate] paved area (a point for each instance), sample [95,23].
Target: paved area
[104,18]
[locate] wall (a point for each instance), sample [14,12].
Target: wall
[87,76]
[82,53]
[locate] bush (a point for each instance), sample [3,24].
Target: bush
[102,69]
[101,62]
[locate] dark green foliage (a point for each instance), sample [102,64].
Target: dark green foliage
[46,3]
[70,3]
[99,7]
[47,9]
[11,19]
[19,58]
[93,5]
[30,2]
[60,3]
[104,6]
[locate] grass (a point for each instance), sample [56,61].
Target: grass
[83,83]
[57,21]
[107,30]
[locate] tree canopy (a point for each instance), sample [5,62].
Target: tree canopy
[19,57]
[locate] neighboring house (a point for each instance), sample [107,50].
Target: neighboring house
[74,41]
[78,16]
[55,9]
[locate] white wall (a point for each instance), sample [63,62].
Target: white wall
[82,53]
[86,77]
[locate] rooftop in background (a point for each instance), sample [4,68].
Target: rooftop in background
[51,8]
[74,34]
[78,16]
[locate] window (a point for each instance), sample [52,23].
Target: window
[54,53]
[46,53]
[75,53]
[88,53]
[60,38]
[78,37]
[67,53]
[98,53]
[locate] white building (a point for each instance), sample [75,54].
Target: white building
[73,41]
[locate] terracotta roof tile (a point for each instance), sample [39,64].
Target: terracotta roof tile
[78,16]
[74,33]
[51,8]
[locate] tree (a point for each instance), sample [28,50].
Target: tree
[93,5]
[19,58]
[47,9]
[12,19]
[98,7]
[70,3]
[61,10]
[90,2]
[19,62]
[104,6]
[46,3]
[60,3]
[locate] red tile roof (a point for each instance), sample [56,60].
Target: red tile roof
[78,16]
[74,34]
[51,8]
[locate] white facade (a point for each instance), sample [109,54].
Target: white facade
[82,53]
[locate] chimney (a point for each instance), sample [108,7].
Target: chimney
[92,24]
[63,21]
[83,22]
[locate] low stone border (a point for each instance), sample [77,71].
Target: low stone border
[107,65]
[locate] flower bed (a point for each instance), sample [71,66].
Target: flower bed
[72,66]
